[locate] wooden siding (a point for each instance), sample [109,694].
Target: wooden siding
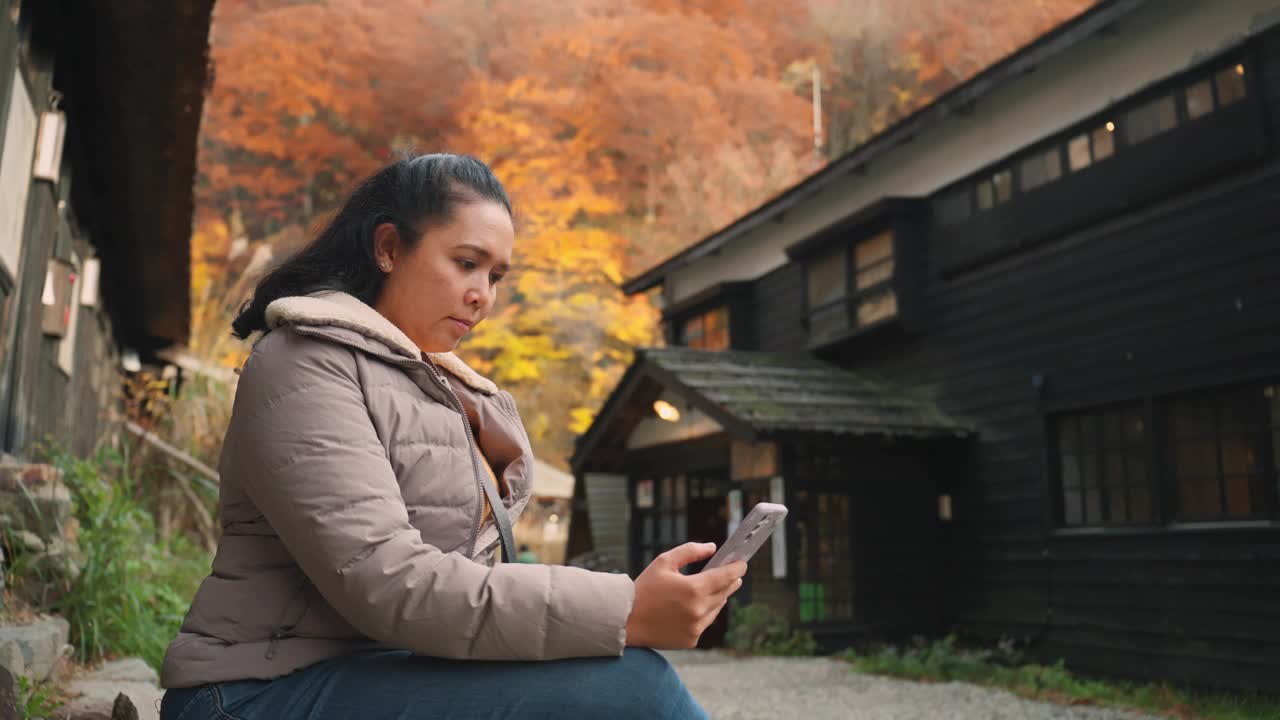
[38,400]
[779,308]
[1178,294]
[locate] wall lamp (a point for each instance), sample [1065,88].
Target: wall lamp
[666,411]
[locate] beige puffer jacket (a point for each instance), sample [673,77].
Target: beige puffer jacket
[351,514]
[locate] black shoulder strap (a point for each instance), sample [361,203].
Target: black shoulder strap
[500,515]
[490,491]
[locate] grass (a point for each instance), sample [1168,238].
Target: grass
[135,584]
[757,629]
[1003,667]
[37,700]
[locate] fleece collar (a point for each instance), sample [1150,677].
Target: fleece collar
[343,310]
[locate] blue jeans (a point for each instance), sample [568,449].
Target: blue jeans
[397,684]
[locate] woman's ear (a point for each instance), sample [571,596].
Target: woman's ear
[386,246]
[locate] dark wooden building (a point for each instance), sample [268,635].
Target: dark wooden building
[1014,364]
[99,111]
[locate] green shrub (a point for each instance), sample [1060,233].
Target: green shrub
[759,630]
[36,700]
[134,586]
[1003,666]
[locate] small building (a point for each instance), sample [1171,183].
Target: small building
[100,106]
[1013,364]
[738,426]
[544,524]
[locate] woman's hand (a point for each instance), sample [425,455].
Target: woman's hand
[671,610]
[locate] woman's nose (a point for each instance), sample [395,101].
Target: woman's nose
[478,297]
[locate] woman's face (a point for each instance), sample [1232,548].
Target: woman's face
[440,289]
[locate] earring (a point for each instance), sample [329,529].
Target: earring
[386,266]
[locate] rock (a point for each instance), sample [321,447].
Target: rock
[126,670]
[36,513]
[123,709]
[27,541]
[14,475]
[8,696]
[101,700]
[33,650]
[42,508]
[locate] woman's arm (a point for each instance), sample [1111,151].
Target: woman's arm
[306,452]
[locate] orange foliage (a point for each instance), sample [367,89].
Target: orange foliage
[623,130]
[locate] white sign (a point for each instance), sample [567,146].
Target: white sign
[735,511]
[644,494]
[67,345]
[779,539]
[89,288]
[15,173]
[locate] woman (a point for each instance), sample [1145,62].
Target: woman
[368,477]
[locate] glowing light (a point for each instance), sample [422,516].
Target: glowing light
[666,411]
[1111,127]
[1239,69]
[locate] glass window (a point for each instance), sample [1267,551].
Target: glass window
[986,195]
[827,278]
[995,190]
[1147,121]
[1103,476]
[824,562]
[1003,184]
[873,261]
[1104,142]
[707,331]
[1040,168]
[1199,99]
[1216,446]
[1272,395]
[878,306]
[1230,84]
[1078,154]
[694,331]
[873,267]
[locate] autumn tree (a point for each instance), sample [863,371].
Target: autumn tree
[883,59]
[623,130]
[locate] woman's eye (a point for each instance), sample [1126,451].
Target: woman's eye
[495,279]
[468,264]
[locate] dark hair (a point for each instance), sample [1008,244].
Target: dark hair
[413,194]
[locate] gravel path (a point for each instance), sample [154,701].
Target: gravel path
[820,688]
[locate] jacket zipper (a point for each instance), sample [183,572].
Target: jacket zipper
[281,631]
[475,533]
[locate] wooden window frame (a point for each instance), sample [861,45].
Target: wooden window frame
[1159,451]
[1104,484]
[838,586]
[703,318]
[853,296]
[1261,488]
[1120,141]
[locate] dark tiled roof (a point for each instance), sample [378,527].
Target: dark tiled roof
[776,392]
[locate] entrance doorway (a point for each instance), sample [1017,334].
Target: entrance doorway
[709,522]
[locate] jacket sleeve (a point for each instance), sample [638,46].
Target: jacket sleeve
[310,460]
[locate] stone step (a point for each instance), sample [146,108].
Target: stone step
[102,700]
[35,649]
[123,689]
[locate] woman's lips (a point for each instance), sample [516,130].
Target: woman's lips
[461,324]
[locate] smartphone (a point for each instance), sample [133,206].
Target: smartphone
[754,529]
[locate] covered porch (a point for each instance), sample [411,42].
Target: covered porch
[691,440]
